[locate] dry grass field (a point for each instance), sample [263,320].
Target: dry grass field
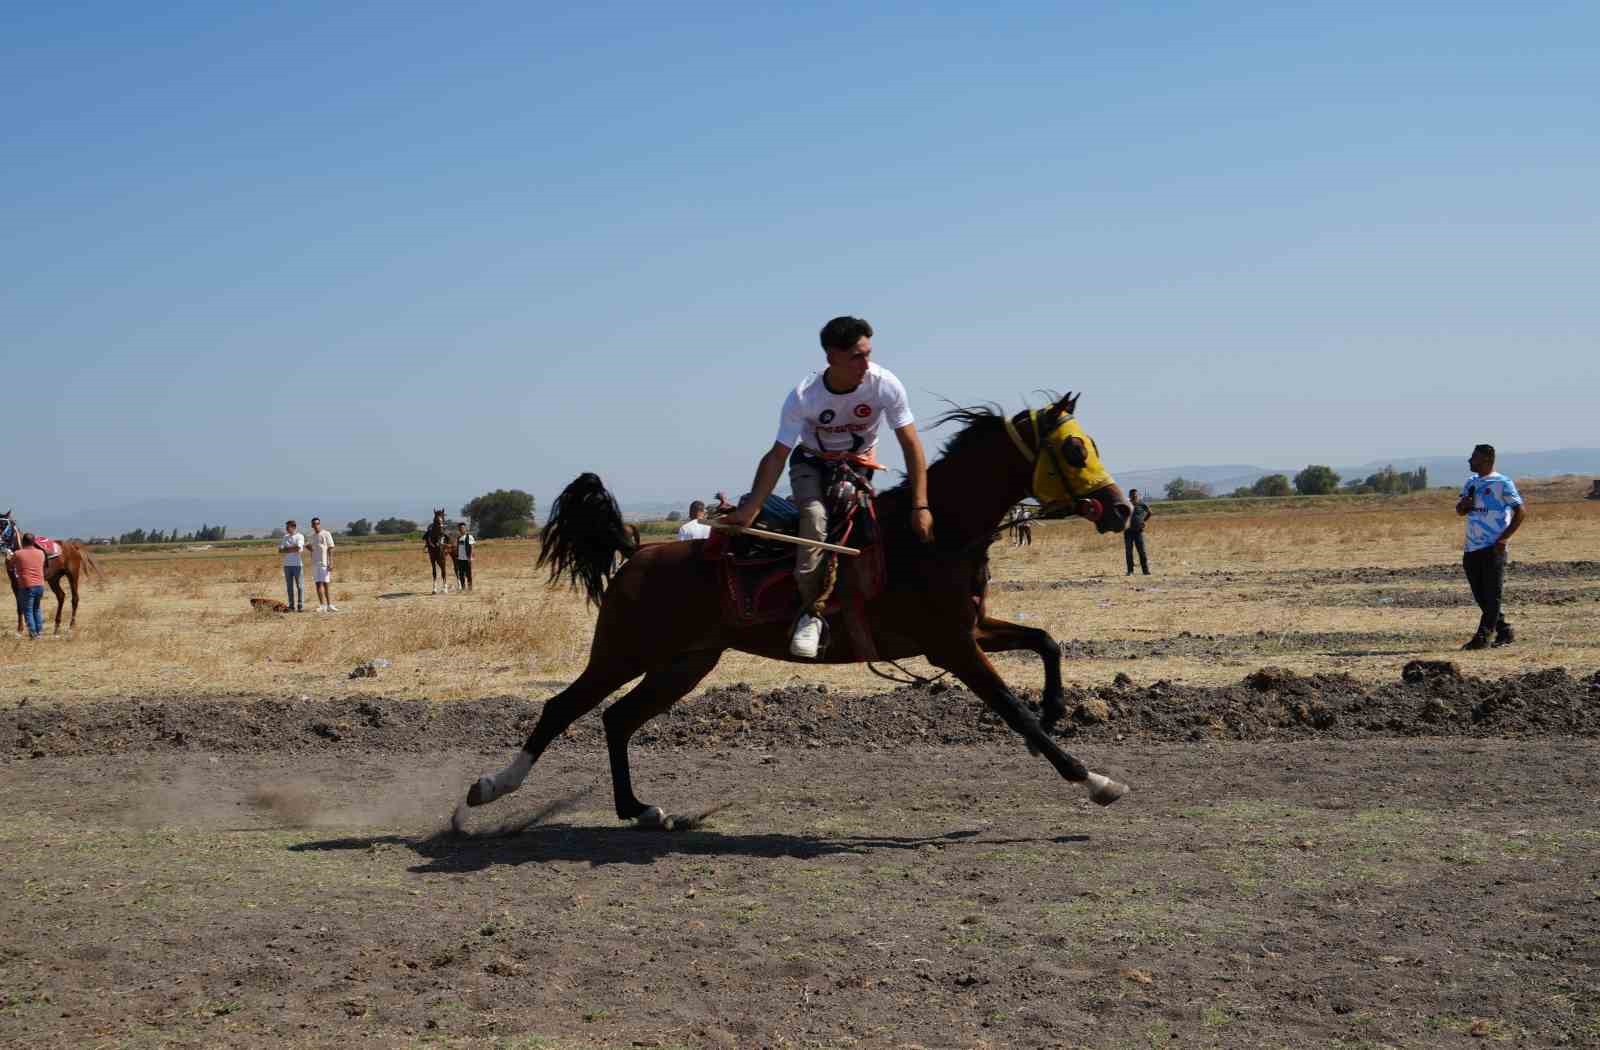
[1230,592]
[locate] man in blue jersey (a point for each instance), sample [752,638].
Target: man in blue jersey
[1493,508]
[835,410]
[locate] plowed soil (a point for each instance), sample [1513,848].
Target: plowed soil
[1301,862]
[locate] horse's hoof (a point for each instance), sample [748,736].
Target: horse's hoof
[481,792]
[1103,790]
[653,819]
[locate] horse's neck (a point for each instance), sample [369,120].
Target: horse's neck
[972,493]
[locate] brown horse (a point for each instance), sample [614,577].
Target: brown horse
[440,544]
[74,562]
[661,614]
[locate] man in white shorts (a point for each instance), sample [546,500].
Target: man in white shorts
[827,412]
[322,565]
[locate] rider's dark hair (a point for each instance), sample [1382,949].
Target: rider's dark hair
[843,333]
[696,507]
[27,539]
[1484,450]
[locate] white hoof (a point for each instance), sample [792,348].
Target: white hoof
[1103,790]
[653,819]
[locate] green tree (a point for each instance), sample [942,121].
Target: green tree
[1242,492]
[1271,485]
[503,512]
[394,526]
[1183,488]
[1316,480]
[359,527]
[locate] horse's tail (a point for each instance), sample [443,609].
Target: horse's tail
[91,567]
[584,536]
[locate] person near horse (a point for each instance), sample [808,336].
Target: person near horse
[835,411]
[695,528]
[1133,536]
[1493,508]
[462,554]
[293,542]
[322,565]
[27,566]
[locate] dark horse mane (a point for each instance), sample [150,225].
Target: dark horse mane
[978,423]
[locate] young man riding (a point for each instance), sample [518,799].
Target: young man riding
[827,413]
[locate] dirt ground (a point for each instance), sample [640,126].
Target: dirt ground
[1303,861]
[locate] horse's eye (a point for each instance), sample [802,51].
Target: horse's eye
[1075,452]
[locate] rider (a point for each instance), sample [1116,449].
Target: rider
[826,413]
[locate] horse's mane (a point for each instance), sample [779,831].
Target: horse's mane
[978,422]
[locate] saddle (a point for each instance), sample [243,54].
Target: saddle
[51,548]
[756,576]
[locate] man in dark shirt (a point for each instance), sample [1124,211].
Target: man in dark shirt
[1133,536]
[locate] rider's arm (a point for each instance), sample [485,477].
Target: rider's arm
[917,478]
[768,471]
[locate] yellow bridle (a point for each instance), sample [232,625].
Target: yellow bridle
[1055,481]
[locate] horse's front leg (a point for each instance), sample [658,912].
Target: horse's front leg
[962,658]
[1003,636]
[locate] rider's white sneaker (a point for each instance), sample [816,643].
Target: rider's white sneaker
[807,637]
[332,607]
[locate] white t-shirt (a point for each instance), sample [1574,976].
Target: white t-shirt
[694,530]
[321,548]
[813,413]
[291,545]
[464,544]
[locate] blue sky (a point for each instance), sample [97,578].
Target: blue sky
[430,250]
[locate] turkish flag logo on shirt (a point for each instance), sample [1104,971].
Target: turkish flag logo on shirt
[863,411]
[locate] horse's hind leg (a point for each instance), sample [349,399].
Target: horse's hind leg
[1002,636]
[659,691]
[61,601]
[599,680]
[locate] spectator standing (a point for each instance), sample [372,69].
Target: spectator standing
[1493,508]
[290,546]
[322,565]
[1133,535]
[465,541]
[695,528]
[27,566]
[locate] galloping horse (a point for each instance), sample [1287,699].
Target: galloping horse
[661,614]
[74,562]
[439,543]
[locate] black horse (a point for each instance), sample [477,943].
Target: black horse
[661,615]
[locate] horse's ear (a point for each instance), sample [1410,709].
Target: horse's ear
[1068,405]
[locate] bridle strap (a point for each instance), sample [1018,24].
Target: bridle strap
[1016,439]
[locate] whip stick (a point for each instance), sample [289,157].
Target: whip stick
[798,541]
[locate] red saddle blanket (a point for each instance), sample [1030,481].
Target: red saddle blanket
[763,590]
[51,548]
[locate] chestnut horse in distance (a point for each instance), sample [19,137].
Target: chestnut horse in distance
[74,562]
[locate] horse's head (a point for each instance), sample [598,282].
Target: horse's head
[438,515]
[1068,477]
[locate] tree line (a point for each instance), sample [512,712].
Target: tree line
[204,534]
[1315,480]
[494,515]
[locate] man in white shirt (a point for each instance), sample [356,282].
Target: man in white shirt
[465,541]
[290,546]
[322,565]
[836,410]
[695,528]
